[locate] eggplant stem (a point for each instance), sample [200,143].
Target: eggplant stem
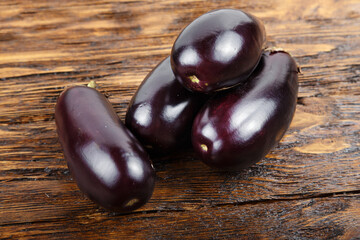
[299,69]
[92,84]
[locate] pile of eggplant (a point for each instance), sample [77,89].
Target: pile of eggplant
[219,90]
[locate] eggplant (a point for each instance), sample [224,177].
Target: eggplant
[218,50]
[161,112]
[107,162]
[238,127]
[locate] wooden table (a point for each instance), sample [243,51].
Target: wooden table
[308,187]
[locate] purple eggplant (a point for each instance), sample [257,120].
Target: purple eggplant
[218,50]
[107,162]
[162,111]
[239,126]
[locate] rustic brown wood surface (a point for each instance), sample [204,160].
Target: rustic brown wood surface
[308,187]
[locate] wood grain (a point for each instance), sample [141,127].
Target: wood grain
[308,187]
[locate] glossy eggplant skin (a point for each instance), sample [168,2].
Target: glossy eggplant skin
[162,111]
[107,162]
[218,50]
[239,126]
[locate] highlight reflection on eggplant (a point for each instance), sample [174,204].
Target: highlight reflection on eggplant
[218,50]
[162,111]
[107,162]
[238,127]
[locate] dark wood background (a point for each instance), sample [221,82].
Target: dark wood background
[308,187]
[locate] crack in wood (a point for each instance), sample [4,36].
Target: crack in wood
[304,196]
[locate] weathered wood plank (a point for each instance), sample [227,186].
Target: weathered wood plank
[307,188]
[316,218]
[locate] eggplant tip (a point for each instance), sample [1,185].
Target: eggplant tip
[194,79]
[204,147]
